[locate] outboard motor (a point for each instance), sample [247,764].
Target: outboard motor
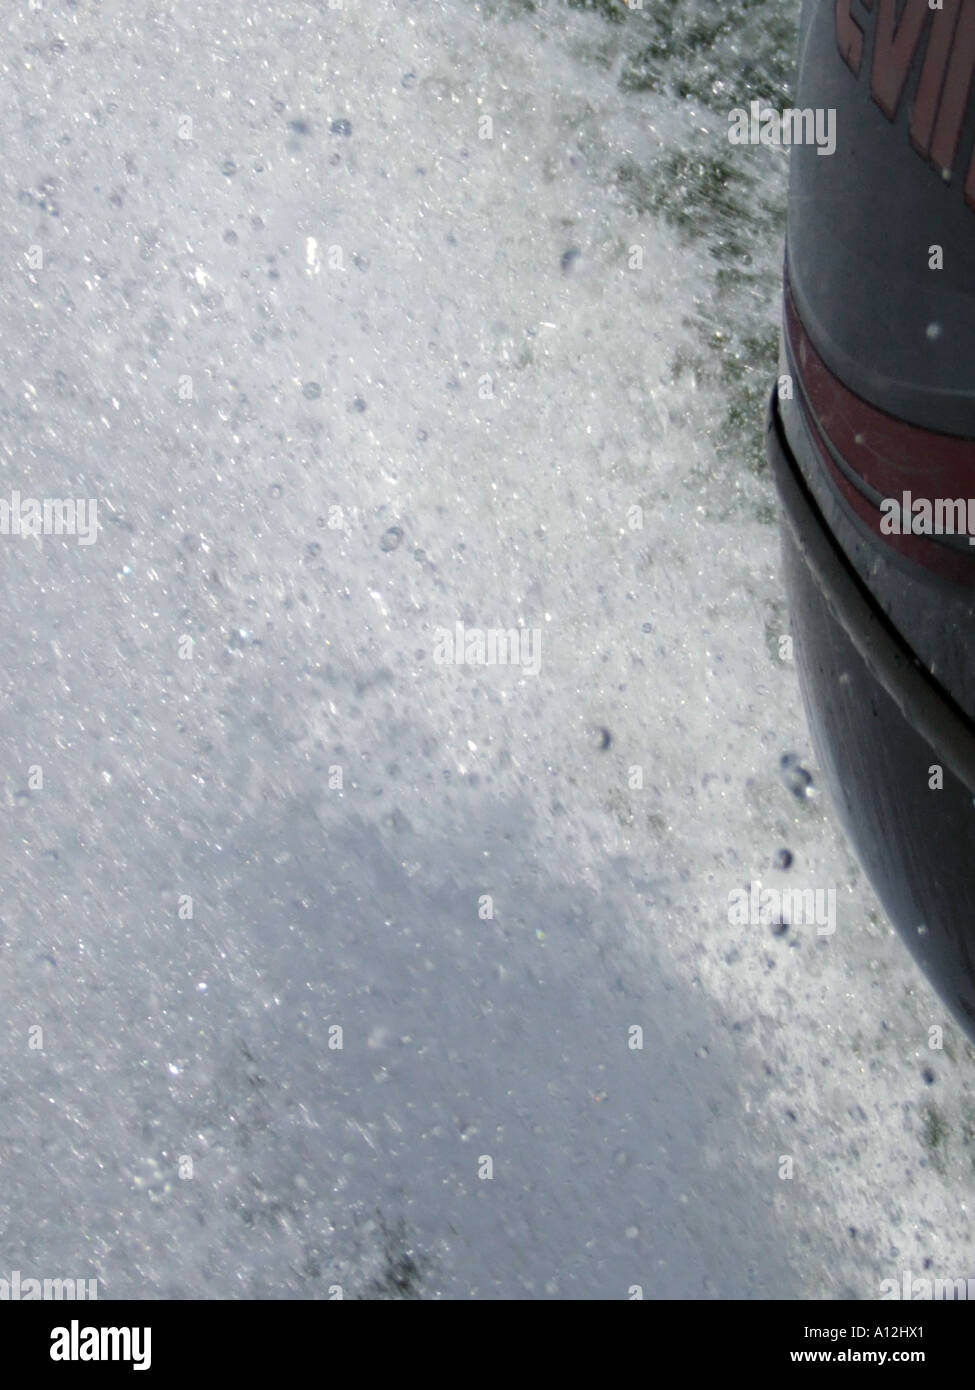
[871,437]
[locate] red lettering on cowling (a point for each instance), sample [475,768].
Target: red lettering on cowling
[849,36]
[944,88]
[928,98]
[894,50]
[958,83]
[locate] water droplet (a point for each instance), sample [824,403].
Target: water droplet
[311,390]
[783,859]
[391,539]
[341,127]
[275,490]
[797,779]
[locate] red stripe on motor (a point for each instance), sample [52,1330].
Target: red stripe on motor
[925,551]
[889,455]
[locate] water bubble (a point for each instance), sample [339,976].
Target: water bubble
[783,859]
[797,779]
[311,390]
[391,539]
[341,127]
[275,490]
[601,738]
[569,259]
[229,168]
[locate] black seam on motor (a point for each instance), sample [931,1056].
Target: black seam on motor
[919,696]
